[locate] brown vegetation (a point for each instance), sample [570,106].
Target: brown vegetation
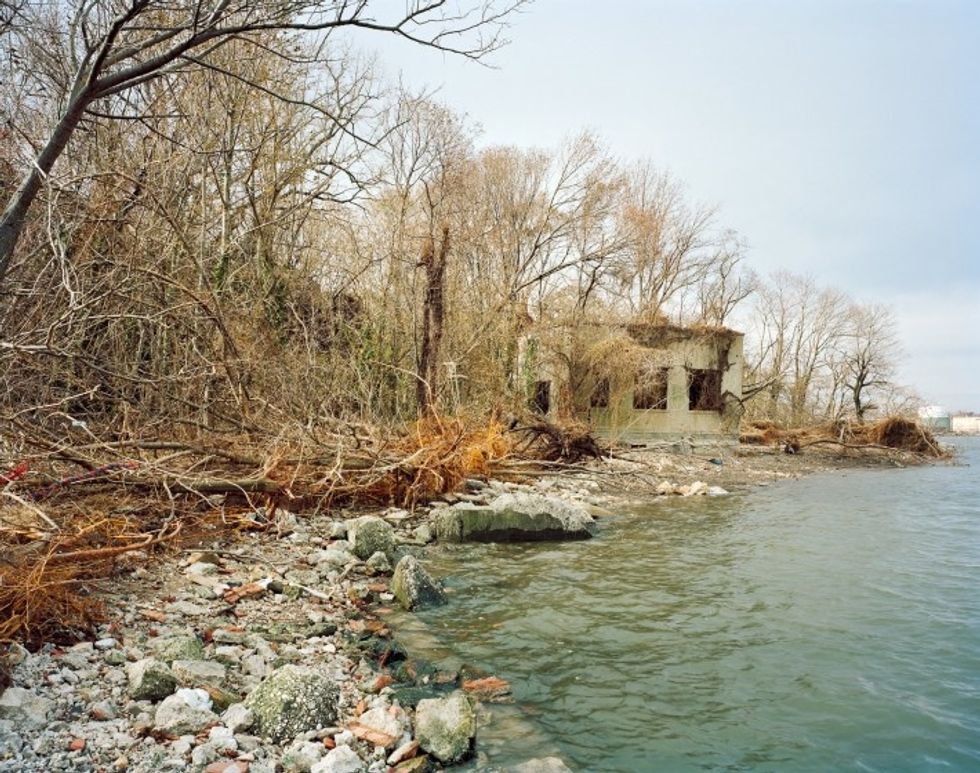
[895,433]
[61,535]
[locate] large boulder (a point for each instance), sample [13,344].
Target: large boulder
[292,700]
[446,727]
[414,587]
[370,534]
[514,518]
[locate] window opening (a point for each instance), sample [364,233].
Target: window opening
[704,390]
[650,390]
[541,402]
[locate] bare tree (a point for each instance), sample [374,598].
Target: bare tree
[88,59]
[868,354]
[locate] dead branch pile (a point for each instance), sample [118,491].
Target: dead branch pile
[560,443]
[62,531]
[895,433]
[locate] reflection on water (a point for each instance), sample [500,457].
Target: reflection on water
[825,624]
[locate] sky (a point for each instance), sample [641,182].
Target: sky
[841,139]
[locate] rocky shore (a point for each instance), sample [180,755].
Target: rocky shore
[270,652]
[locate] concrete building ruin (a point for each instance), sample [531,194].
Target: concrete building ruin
[644,383]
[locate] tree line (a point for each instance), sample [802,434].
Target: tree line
[218,216]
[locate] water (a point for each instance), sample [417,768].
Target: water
[831,623]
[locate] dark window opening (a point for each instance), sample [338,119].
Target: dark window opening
[704,390]
[541,401]
[600,394]
[650,390]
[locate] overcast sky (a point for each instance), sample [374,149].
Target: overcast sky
[841,139]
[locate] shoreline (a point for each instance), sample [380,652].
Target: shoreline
[231,615]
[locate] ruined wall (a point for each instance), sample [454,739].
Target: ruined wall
[621,421]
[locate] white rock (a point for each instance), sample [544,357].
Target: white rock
[391,721]
[343,759]
[186,711]
[301,756]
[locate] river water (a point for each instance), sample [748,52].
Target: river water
[830,623]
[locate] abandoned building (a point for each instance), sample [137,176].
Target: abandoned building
[645,383]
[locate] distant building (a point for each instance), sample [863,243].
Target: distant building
[965,425]
[644,383]
[935,417]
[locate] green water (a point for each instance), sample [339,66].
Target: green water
[831,623]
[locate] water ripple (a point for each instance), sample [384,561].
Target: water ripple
[826,624]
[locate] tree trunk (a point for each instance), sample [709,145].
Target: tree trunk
[15,215]
[433,312]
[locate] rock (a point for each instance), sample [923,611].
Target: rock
[403,752]
[696,489]
[333,558]
[414,765]
[716,491]
[301,756]
[106,644]
[343,759]
[178,647]
[337,530]
[150,680]
[191,673]
[514,517]
[379,563]
[24,706]
[187,711]
[414,587]
[238,718]
[293,700]
[446,727]
[665,488]
[102,711]
[423,533]
[369,534]
[381,726]
[542,765]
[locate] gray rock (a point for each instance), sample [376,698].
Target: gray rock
[106,644]
[150,680]
[187,711]
[22,705]
[337,530]
[343,759]
[293,700]
[238,718]
[423,533]
[177,647]
[333,558]
[379,563]
[192,673]
[542,765]
[446,727]
[414,587]
[368,535]
[514,517]
[301,756]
